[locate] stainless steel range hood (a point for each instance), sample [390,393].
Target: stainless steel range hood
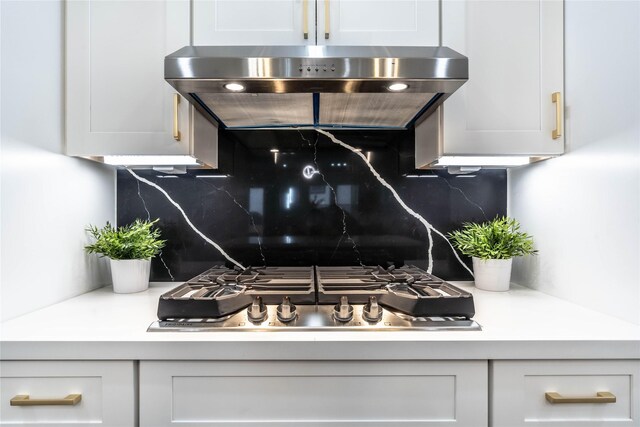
[242,87]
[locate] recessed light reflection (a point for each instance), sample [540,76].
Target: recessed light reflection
[397,87]
[234,87]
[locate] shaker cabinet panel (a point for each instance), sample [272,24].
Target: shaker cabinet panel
[106,389]
[253,22]
[515,52]
[378,22]
[117,101]
[599,393]
[321,22]
[315,394]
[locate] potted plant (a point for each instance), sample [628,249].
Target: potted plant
[129,249]
[492,246]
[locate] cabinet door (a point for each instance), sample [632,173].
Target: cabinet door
[253,22]
[597,393]
[313,394]
[378,22]
[117,99]
[106,389]
[515,51]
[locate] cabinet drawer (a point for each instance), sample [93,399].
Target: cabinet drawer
[106,388]
[518,393]
[300,393]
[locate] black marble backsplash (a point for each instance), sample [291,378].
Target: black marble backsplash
[273,209]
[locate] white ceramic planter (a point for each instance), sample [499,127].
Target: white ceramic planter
[130,275]
[492,274]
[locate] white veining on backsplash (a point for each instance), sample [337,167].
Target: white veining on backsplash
[186,218]
[413,213]
[253,223]
[144,204]
[471,202]
[345,232]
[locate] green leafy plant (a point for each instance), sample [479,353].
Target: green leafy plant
[500,238]
[140,240]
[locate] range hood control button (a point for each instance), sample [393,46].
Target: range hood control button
[343,312]
[286,311]
[372,312]
[257,311]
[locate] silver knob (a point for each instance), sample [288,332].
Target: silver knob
[257,311]
[286,311]
[343,311]
[372,312]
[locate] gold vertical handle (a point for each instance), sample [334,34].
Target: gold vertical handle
[176,124]
[556,98]
[305,19]
[25,400]
[327,17]
[600,397]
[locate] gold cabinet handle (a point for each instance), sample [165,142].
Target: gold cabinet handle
[176,124]
[556,98]
[327,23]
[24,400]
[305,19]
[600,397]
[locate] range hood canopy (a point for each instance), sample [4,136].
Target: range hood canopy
[242,87]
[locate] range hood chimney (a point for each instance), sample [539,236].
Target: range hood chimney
[346,87]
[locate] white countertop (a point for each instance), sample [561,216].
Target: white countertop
[519,324]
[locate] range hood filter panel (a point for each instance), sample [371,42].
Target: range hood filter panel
[386,110]
[248,110]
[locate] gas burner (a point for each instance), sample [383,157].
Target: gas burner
[226,290]
[303,298]
[403,289]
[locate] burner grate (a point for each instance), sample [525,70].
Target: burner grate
[220,291]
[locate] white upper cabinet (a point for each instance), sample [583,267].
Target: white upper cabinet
[515,51]
[253,22]
[378,22]
[117,101]
[322,22]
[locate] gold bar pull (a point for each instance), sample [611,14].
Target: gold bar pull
[600,397]
[305,19]
[556,98]
[327,17]
[176,125]
[24,400]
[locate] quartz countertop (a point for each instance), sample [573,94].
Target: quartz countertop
[518,324]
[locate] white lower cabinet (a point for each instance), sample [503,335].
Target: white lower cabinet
[44,393]
[584,393]
[321,393]
[310,393]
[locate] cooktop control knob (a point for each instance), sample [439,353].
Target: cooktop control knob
[286,311]
[257,311]
[342,311]
[372,312]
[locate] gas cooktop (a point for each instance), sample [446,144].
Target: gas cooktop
[315,298]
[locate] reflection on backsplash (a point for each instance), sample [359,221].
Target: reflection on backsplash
[288,203]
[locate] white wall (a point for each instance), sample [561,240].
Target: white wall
[46,198]
[584,208]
